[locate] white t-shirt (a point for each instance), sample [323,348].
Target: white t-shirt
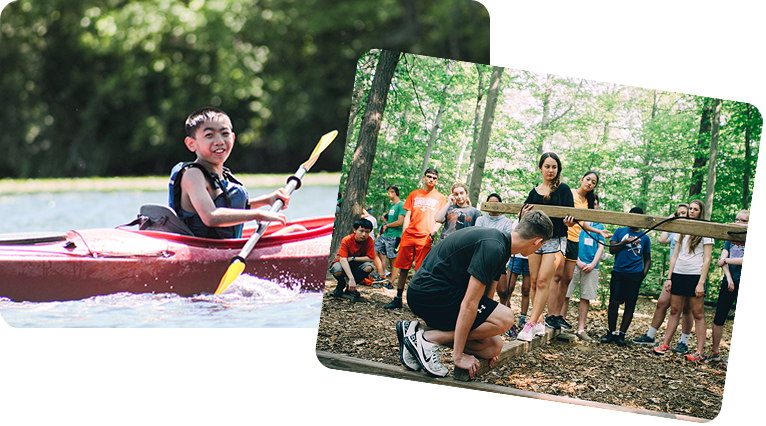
[374,222]
[690,263]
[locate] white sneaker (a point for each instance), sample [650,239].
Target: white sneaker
[403,329]
[540,329]
[427,354]
[528,333]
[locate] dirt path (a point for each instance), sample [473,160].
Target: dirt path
[632,376]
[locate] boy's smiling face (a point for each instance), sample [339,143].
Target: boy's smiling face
[212,141]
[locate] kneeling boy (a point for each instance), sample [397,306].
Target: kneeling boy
[449,293]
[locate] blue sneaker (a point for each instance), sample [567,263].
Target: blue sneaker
[681,348]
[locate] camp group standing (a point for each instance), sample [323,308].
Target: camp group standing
[475,257]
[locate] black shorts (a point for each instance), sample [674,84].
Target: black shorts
[623,286]
[726,300]
[684,285]
[444,318]
[572,248]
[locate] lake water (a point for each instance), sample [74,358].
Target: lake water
[252,303]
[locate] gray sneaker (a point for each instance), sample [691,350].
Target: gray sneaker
[681,348]
[427,354]
[644,340]
[406,328]
[584,336]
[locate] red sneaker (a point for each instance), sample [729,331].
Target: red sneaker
[661,349]
[695,357]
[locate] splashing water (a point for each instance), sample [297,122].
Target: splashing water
[251,286]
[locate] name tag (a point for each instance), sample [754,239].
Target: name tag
[588,241]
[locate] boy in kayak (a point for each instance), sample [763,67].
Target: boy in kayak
[354,261]
[204,193]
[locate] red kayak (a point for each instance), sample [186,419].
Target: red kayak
[81,264]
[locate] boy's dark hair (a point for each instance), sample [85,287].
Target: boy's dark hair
[364,223]
[496,195]
[638,210]
[195,119]
[535,224]
[431,170]
[394,188]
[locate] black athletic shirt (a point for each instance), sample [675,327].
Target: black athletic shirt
[562,198]
[442,279]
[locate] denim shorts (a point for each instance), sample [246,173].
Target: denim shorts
[518,265]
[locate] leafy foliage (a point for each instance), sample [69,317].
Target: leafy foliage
[642,142]
[102,87]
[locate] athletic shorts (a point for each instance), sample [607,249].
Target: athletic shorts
[518,265]
[553,245]
[588,283]
[624,286]
[444,318]
[572,248]
[684,285]
[412,249]
[386,246]
[357,270]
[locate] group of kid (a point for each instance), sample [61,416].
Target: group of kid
[568,259]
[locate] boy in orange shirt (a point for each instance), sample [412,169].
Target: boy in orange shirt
[354,262]
[420,227]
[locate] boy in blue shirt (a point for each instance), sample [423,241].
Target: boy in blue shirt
[632,259]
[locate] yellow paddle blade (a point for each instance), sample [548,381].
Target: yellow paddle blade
[324,142]
[234,271]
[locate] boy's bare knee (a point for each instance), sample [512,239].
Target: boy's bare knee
[368,269]
[496,347]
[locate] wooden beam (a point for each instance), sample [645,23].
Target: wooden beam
[718,231]
[511,350]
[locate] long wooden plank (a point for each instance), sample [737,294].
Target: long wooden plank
[511,350]
[683,226]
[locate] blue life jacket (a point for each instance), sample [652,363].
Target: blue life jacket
[234,195]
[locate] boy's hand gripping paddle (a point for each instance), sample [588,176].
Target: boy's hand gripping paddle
[237,265]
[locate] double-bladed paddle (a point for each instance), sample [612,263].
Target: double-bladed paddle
[293,182]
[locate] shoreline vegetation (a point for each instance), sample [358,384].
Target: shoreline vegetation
[148,183]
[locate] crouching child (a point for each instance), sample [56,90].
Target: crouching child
[354,261]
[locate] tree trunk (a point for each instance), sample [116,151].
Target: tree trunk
[357,99]
[647,175]
[746,178]
[361,163]
[476,121]
[437,121]
[546,114]
[700,159]
[710,186]
[486,129]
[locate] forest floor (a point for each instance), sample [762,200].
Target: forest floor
[630,376]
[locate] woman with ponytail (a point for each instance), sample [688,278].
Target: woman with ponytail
[686,280]
[546,266]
